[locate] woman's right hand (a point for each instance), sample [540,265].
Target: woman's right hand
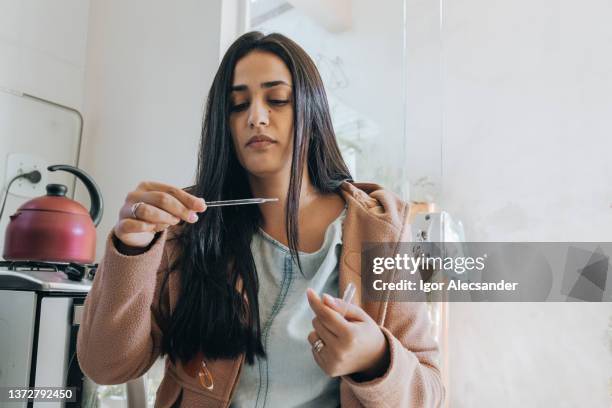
[162,205]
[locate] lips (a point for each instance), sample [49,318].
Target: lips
[260,140]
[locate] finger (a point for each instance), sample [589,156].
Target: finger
[154,215]
[350,311]
[312,337]
[331,318]
[190,201]
[318,356]
[170,204]
[324,333]
[314,301]
[161,227]
[130,225]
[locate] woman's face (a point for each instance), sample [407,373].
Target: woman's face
[261,117]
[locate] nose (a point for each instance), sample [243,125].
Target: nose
[258,114]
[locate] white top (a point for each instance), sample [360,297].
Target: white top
[290,377]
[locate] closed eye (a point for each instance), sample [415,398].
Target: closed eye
[243,106]
[240,107]
[279,102]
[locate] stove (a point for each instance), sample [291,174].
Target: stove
[41,304]
[40,310]
[47,275]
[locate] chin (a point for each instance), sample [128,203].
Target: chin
[263,168]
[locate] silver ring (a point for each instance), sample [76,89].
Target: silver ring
[318,345]
[134,208]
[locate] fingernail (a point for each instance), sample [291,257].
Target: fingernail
[193,217]
[329,299]
[203,205]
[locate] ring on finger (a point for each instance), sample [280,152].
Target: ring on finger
[318,345]
[135,208]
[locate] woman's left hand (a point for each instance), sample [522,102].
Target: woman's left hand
[353,344]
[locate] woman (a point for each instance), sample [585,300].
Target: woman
[232,296]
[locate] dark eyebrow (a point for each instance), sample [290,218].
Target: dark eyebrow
[269,84]
[274,83]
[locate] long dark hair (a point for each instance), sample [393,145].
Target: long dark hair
[211,316]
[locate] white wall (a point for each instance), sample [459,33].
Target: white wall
[42,48]
[526,124]
[527,119]
[530,355]
[42,53]
[149,67]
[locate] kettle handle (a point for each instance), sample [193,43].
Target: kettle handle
[95,197]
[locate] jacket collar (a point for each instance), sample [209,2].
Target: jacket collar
[373,215]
